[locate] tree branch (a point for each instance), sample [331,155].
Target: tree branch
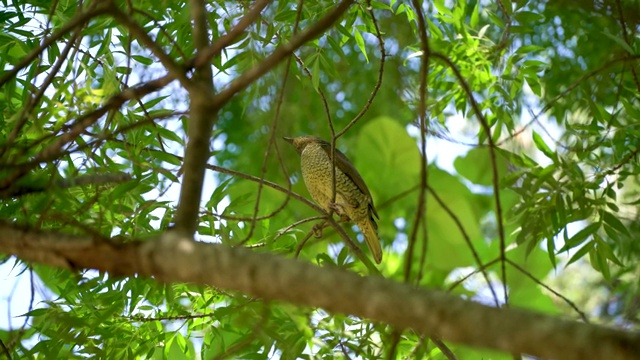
[204,57]
[172,258]
[55,149]
[80,20]
[495,177]
[202,116]
[280,54]
[144,39]
[82,180]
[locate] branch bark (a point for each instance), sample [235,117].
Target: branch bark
[173,258]
[202,117]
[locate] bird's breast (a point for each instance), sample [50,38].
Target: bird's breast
[316,172]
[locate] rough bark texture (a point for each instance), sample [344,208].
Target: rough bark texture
[178,259]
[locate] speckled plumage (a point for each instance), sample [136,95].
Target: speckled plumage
[353,199]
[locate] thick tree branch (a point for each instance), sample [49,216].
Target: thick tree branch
[202,116]
[179,259]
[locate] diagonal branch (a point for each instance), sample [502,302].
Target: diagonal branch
[78,21]
[82,180]
[280,54]
[56,149]
[204,57]
[352,245]
[143,37]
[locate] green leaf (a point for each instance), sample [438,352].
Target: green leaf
[615,223]
[528,17]
[582,252]
[580,237]
[599,263]
[551,251]
[335,46]
[167,134]
[442,8]
[534,84]
[385,156]
[605,250]
[476,166]
[361,45]
[529,49]
[475,15]
[542,146]
[286,15]
[142,59]
[619,41]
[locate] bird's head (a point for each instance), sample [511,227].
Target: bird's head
[300,142]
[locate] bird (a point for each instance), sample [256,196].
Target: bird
[353,200]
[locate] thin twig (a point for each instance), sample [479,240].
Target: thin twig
[78,21]
[204,57]
[467,239]
[422,116]
[582,315]
[143,37]
[55,149]
[376,87]
[272,142]
[280,54]
[480,269]
[83,180]
[307,237]
[5,350]
[625,35]
[285,230]
[444,349]
[161,28]
[494,166]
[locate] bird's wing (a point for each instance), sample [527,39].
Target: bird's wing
[348,169]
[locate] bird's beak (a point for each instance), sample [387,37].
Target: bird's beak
[288,139]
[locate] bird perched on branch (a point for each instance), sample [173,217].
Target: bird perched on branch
[352,201]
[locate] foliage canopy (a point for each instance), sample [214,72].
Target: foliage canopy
[529,113]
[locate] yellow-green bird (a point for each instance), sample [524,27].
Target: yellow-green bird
[353,199]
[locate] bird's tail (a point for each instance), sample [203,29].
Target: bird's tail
[370,231]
